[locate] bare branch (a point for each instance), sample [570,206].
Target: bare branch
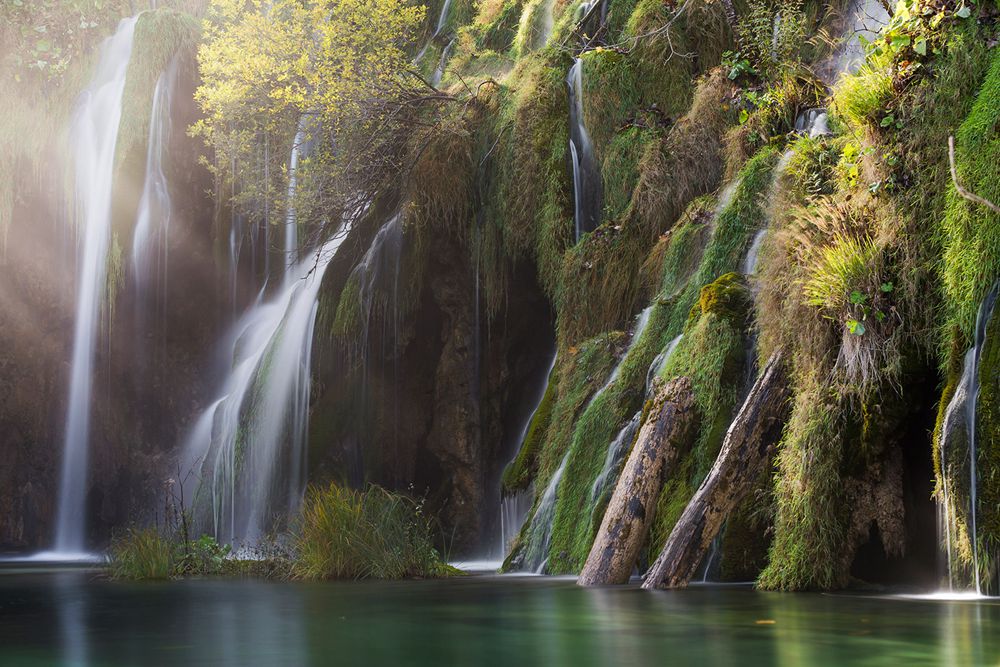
[958,186]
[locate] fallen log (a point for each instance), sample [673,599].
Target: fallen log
[667,432]
[746,451]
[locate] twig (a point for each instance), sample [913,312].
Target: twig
[958,186]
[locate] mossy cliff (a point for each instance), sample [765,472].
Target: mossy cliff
[871,265]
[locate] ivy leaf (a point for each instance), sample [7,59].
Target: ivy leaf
[855,327]
[921,46]
[886,287]
[857,298]
[963,13]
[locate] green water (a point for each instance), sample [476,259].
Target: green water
[71,618]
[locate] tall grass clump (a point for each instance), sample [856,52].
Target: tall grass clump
[364,534]
[142,553]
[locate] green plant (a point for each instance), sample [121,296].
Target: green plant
[368,534]
[202,556]
[142,553]
[736,65]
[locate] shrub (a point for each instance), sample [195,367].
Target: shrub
[202,556]
[368,534]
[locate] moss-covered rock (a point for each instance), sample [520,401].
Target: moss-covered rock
[519,473]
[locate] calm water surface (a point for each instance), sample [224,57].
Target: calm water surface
[72,618]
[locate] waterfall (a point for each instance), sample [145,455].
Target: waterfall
[962,409]
[659,363]
[812,123]
[749,266]
[514,508]
[93,135]
[439,71]
[443,18]
[152,225]
[587,186]
[640,326]
[291,246]
[248,448]
[250,443]
[616,455]
[540,529]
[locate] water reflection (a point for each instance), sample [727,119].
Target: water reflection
[71,618]
[71,603]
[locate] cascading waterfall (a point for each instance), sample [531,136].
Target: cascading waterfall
[641,320]
[377,272]
[94,136]
[812,123]
[442,22]
[961,410]
[250,443]
[587,186]
[540,529]
[152,227]
[248,447]
[514,507]
[613,459]
[659,363]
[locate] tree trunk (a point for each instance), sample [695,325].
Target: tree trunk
[746,450]
[666,434]
[734,22]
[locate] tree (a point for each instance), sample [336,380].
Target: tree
[343,63]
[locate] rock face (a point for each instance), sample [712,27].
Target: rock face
[430,410]
[667,432]
[746,450]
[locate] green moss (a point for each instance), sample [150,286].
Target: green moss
[578,515]
[859,100]
[810,524]
[620,89]
[581,372]
[685,246]
[971,257]
[734,224]
[518,475]
[670,504]
[347,322]
[620,168]
[530,206]
[600,281]
[160,35]
[746,539]
[712,354]
[497,23]
[727,296]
